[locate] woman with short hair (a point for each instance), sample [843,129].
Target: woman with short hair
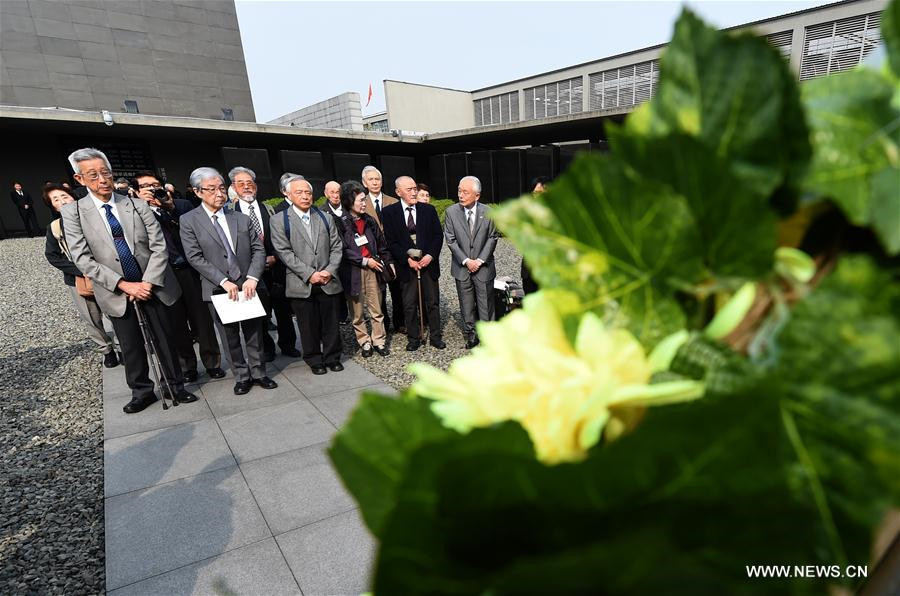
[423,193]
[57,252]
[366,261]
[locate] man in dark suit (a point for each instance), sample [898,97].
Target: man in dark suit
[414,236]
[22,200]
[471,238]
[334,209]
[230,258]
[190,307]
[117,243]
[376,201]
[273,298]
[307,242]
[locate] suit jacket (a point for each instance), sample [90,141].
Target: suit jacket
[94,252]
[275,275]
[205,252]
[305,254]
[351,265]
[281,206]
[20,202]
[463,245]
[57,258]
[385,201]
[429,237]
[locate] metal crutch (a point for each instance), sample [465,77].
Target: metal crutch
[156,366]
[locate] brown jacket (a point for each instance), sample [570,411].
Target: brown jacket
[386,200]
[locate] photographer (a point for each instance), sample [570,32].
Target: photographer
[190,307]
[367,266]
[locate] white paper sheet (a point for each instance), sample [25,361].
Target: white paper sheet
[231,311]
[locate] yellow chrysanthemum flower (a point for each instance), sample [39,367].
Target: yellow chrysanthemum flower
[564,395]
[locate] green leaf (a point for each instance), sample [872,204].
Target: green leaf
[734,94]
[890,32]
[615,242]
[371,451]
[856,133]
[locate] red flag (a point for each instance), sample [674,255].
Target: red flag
[369,99]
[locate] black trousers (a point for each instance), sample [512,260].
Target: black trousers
[317,317]
[29,219]
[398,312]
[284,319]
[431,302]
[134,356]
[190,310]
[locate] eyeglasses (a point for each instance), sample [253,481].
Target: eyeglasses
[245,183]
[92,175]
[213,189]
[153,185]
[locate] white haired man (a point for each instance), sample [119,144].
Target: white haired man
[117,243]
[376,200]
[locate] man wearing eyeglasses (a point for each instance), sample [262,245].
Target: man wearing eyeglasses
[118,244]
[190,307]
[244,182]
[230,258]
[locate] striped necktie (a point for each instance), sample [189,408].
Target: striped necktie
[131,270]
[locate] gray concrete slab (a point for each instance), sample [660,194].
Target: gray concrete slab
[223,402]
[275,429]
[146,459]
[333,556]
[165,527]
[117,423]
[258,568]
[351,377]
[297,488]
[338,406]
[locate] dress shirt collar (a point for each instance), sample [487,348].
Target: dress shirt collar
[100,203]
[209,213]
[251,201]
[379,198]
[300,213]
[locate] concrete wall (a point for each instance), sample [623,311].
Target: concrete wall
[341,112]
[422,108]
[174,57]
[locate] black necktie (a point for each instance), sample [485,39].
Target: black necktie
[410,222]
[377,207]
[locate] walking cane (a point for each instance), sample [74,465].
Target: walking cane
[421,311]
[156,366]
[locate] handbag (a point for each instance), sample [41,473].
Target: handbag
[84,286]
[386,275]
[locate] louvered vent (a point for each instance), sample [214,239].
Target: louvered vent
[554,99]
[625,86]
[833,47]
[498,109]
[782,42]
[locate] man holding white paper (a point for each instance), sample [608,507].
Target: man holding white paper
[230,260]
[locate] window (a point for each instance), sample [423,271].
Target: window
[130,106]
[836,46]
[782,42]
[498,109]
[554,99]
[625,86]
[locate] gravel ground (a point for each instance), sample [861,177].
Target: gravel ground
[393,368]
[51,433]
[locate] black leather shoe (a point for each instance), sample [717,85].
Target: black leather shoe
[382,350]
[336,367]
[186,397]
[367,352]
[265,383]
[291,352]
[190,376]
[138,404]
[215,373]
[319,370]
[269,357]
[471,343]
[438,343]
[412,346]
[110,360]
[242,387]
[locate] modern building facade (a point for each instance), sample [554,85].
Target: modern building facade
[815,42]
[343,112]
[165,57]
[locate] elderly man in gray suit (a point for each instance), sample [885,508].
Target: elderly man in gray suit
[307,242]
[472,237]
[230,258]
[118,244]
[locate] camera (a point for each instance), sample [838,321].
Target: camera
[160,194]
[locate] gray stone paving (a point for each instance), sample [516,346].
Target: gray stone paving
[234,494]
